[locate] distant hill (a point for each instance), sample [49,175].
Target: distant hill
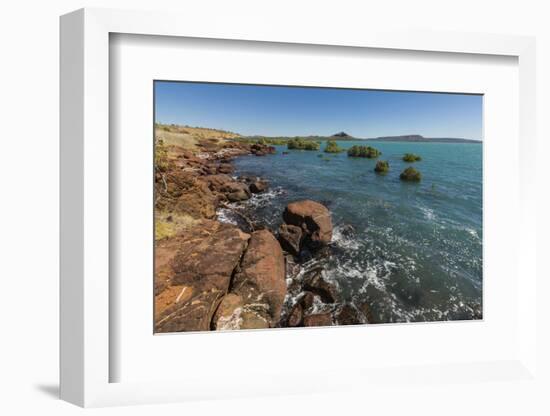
[342,136]
[422,139]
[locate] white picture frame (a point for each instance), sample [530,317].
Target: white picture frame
[86,356]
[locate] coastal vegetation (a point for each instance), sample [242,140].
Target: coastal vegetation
[364,151]
[411,157]
[410,175]
[332,147]
[382,166]
[161,155]
[301,144]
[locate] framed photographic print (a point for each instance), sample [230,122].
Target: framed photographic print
[247,203]
[304,228]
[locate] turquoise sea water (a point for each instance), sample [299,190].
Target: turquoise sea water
[416,250]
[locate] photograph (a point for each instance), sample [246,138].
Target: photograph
[282,206]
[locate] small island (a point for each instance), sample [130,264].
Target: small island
[301,144]
[332,147]
[411,157]
[382,166]
[410,175]
[363,151]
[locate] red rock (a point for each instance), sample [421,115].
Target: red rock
[314,282]
[307,300]
[199,264]
[258,186]
[313,218]
[296,315]
[348,315]
[319,319]
[261,279]
[290,237]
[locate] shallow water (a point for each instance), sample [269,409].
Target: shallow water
[416,250]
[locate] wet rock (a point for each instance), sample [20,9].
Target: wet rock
[258,186]
[313,218]
[296,316]
[238,195]
[290,238]
[259,149]
[314,282]
[318,319]
[347,230]
[260,281]
[348,315]
[367,313]
[307,300]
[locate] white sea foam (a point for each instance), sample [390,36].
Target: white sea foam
[428,213]
[226,216]
[348,242]
[263,198]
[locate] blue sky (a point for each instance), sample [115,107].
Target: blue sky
[296,111]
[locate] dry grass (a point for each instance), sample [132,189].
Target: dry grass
[170,224]
[188,137]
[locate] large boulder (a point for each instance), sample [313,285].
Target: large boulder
[258,186]
[260,282]
[192,274]
[313,218]
[290,237]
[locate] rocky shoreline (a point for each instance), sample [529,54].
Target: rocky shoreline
[211,275]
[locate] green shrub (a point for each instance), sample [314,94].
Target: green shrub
[332,147]
[411,157]
[302,144]
[363,151]
[410,174]
[382,166]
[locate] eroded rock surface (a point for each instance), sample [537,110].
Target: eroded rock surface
[260,281]
[199,264]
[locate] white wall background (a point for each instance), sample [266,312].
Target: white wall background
[29,101]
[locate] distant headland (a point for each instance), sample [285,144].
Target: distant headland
[419,138]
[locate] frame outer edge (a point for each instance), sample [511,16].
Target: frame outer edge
[84,175]
[72,208]
[527,266]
